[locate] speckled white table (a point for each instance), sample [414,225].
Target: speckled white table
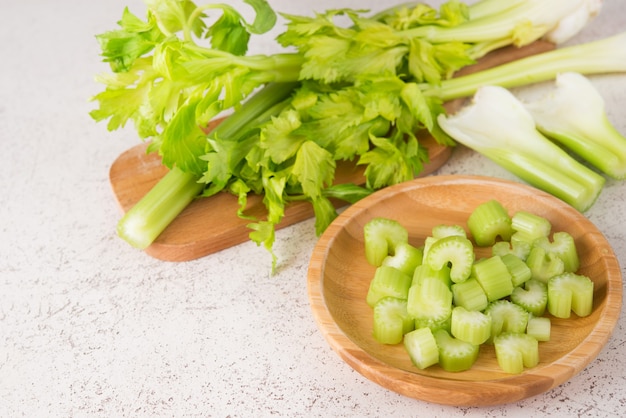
[91,327]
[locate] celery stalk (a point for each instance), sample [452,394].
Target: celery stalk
[145,221]
[607,55]
[498,126]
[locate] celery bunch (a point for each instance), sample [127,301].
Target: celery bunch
[359,93]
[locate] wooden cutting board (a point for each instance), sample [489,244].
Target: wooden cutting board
[211,224]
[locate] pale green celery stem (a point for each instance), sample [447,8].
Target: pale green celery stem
[485,8]
[559,175]
[145,221]
[604,56]
[498,126]
[608,156]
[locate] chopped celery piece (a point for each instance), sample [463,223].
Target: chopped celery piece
[388,281]
[422,348]
[517,247]
[430,299]
[520,272]
[434,325]
[494,277]
[456,250]
[382,235]
[424,271]
[544,265]
[391,320]
[569,292]
[564,247]
[455,355]
[506,317]
[514,351]
[471,326]
[470,295]
[488,221]
[442,231]
[539,327]
[530,226]
[405,258]
[532,296]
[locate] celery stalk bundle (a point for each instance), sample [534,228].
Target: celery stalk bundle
[347,93]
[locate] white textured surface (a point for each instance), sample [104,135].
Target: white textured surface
[90,327]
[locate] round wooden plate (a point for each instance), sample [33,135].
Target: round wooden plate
[339,277]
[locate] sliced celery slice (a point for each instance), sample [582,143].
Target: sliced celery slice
[470,295]
[388,281]
[494,277]
[455,355]
[532,296]
[406,258]
[569,292]
[381,236]
[422,347]
[514,351]
[391,320]
[471,326]
[564,247]
[430,299]
[489,221]
[506,317]
[455,250]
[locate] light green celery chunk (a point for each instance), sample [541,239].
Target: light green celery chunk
[406,258]
[388,281]
[520,248]
[514,351]
[506,317]
[539,327]
[488,221]
[430,299]
[544,265]
[456,250]
[391,321]
[564,247]
[494,277]
[422,348]
[530,226]
[455,355]
[532,296]
[520,272]
[470,295]
[570,292]
[381,238]
[434,325]
[471,326]
[443,230]
[424,271]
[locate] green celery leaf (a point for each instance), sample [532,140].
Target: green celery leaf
[265,17]
[182,141]
[278,137]
[120,48]
[314,168]
[386,164]
[347,192]
[325,213]
[274,187]
[229,34]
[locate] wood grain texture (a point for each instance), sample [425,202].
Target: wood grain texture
[211,224]
[339,277]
